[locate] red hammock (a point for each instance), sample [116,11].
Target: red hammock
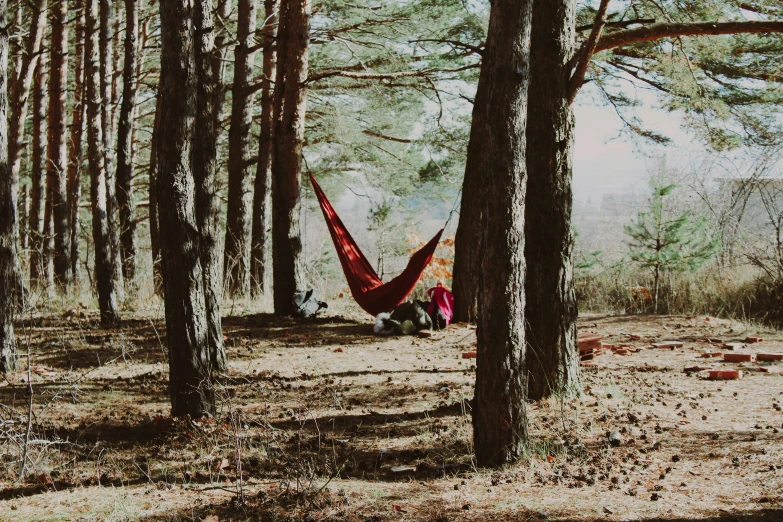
[367,288]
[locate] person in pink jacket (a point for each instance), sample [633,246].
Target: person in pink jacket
[441,307]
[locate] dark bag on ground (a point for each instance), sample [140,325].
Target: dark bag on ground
[306,304]
[413,312]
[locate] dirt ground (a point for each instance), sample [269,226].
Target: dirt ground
[322,420]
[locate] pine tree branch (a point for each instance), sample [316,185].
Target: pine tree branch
[623,24]
[384,137]
[386,76]
[456,43]
[585,54]
[669,30]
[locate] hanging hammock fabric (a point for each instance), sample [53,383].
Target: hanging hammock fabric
[372,294]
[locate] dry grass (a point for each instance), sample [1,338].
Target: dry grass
[381,430]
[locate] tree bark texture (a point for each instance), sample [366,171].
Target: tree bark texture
[206,132]
[499,417]
[75,150]
[236,263]
[157,273]
[107,85]
[57,150]
[290,107]
[8,241]
[124,180]
[550,308]
[38,268]
[186,318]
[262,202]
[104,268]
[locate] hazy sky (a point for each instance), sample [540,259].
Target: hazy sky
[606,161]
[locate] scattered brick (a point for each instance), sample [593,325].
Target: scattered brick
[635,337]
[769,357]
[725,375]
[338,350]
[622,351]
[739,357]
[732,346]
[707,355]
[468,355]
[751,340]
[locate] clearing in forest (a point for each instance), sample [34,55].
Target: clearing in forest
[323,420]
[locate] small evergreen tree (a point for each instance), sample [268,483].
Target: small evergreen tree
[664,243]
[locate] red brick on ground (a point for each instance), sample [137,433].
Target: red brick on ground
[738,357]
[725,375]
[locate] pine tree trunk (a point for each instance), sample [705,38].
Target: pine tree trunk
[186,325]
[38,268]
[290,105]
[467,252]
[499,417]
[236,263]
[24,225]
[116,79]
[107,86]
[550,308]
[157,275]
[260,251]
[75,152]
[22,83]
[207,130]
[8,240]
[125,202]
[104,268]
[57,151]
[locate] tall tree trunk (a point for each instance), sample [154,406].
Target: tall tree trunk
[290,106]
[75,152]
[104,268]
[259,252]
[116,77]
[186,318]
[467,250]
[206,132]
[157,275]
[236,263]
[498,137]
[24,225]
[38,268]
[125,145]
[550,311]
[107,115]
[57,151]
[22,83]
[8,240]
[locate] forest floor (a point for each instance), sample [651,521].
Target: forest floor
[323,420]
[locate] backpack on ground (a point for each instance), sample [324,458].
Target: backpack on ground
[306,304]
